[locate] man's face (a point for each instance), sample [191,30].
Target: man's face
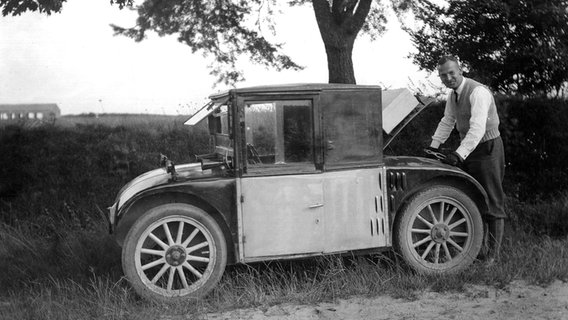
[450,74]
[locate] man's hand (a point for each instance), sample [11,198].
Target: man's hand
[453,159]
[434,153]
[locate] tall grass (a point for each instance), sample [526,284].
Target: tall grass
[79,277]
[545,217]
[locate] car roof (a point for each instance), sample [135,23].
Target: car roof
[296,87]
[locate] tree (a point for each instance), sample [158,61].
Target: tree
[228,29]
[225,30]
[514,46]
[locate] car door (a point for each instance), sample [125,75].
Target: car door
[355,209]
[282,215]
[281,190]
[354,190]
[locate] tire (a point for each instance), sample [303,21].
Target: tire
[166,265]
[434,241]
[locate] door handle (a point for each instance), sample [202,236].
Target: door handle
[317,205]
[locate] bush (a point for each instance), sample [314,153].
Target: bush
[534,133]
[52,173]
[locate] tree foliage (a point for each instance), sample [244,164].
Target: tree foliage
[224,30]
[514,46]
[227,30]
[17,7]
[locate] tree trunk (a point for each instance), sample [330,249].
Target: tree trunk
[339,21]
[340,64]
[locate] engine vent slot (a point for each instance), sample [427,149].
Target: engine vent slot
[397,180]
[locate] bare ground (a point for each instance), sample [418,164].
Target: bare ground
[517,300]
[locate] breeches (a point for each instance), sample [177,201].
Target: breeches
[487,165]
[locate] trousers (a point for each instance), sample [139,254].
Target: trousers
[487,165]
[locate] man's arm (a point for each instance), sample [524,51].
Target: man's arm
[445,127]
[480,100]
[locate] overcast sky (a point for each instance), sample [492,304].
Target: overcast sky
[74,60]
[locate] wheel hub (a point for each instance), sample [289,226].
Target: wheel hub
[440,233]
[175,255]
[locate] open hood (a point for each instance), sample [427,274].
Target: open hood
[208,109]
[400,106]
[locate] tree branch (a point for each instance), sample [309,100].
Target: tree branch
[324,18]
[355,23]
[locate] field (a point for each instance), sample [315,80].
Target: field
[58,262]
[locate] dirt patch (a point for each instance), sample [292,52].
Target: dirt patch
[517,300]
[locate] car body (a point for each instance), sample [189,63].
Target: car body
[296,171]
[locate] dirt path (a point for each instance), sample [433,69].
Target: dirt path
[516,301]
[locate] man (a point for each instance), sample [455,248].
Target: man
[471,108]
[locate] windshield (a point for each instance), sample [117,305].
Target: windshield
[208,109]
[219,117]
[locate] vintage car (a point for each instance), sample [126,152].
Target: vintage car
[295,171]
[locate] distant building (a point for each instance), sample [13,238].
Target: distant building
[28,112]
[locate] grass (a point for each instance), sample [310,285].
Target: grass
[545,217]
[78,277]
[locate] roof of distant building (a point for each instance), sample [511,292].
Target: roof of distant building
[34,107]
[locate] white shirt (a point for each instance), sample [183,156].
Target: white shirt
[480,100]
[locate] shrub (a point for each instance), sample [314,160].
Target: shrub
[534,133]
[47,170]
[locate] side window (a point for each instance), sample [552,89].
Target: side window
[220,121]
[352,129]
[224,119]
[279,133]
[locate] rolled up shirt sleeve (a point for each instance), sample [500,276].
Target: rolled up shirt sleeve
[480,100]
[445,127]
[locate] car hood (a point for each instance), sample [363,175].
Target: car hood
[158,177]
[418,162]
[400,106]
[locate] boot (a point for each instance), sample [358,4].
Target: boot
[496,228]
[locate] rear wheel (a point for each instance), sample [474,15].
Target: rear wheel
[174,252]
[439,230]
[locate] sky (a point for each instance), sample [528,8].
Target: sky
[73,59]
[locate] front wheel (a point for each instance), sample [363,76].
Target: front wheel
[439,230]
[174,252]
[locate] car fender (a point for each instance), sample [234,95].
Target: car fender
[408,175]
[217,197]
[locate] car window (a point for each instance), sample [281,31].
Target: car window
[223,115]
[352,129]
[279,133]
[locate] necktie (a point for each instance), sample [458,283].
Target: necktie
[456,95]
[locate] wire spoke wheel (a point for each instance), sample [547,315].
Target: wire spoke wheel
[173,251]
[439,230]
[174,254]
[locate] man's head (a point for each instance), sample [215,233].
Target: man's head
[450,72]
